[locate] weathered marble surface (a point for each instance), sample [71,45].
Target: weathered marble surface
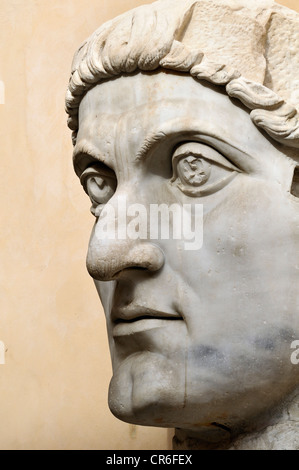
[197,104]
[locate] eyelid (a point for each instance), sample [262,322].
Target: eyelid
[204,151]
[96,170]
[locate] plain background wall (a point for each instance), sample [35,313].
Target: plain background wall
[54,384]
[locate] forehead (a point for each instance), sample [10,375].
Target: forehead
[121,115]
[147,95]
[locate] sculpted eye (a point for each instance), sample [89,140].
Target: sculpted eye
[100,184]
[199,170]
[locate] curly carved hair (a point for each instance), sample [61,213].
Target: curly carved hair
[251,50]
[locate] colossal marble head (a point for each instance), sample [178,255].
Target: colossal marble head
[188,110]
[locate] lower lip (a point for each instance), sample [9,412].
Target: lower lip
[138,326]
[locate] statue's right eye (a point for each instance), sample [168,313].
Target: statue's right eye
[199,170]
[100,184]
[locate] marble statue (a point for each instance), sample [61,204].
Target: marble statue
[195,104]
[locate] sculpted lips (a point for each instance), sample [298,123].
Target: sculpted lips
[135,319]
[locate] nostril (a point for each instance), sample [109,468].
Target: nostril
[135,268]
[130,269]
[107,262]
[139,268]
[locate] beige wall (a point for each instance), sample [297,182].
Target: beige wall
[53,386]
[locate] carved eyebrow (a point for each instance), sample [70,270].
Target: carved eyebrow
[84,153]
[149,143]
[173,130]
[86,148]
[156,138]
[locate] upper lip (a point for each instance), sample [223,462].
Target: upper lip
[134,313]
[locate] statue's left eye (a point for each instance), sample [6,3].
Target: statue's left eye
[199,170]
[100,184]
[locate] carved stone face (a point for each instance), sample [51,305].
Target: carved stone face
[202,336]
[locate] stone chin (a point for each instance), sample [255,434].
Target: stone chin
[147,389]
[152,390]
